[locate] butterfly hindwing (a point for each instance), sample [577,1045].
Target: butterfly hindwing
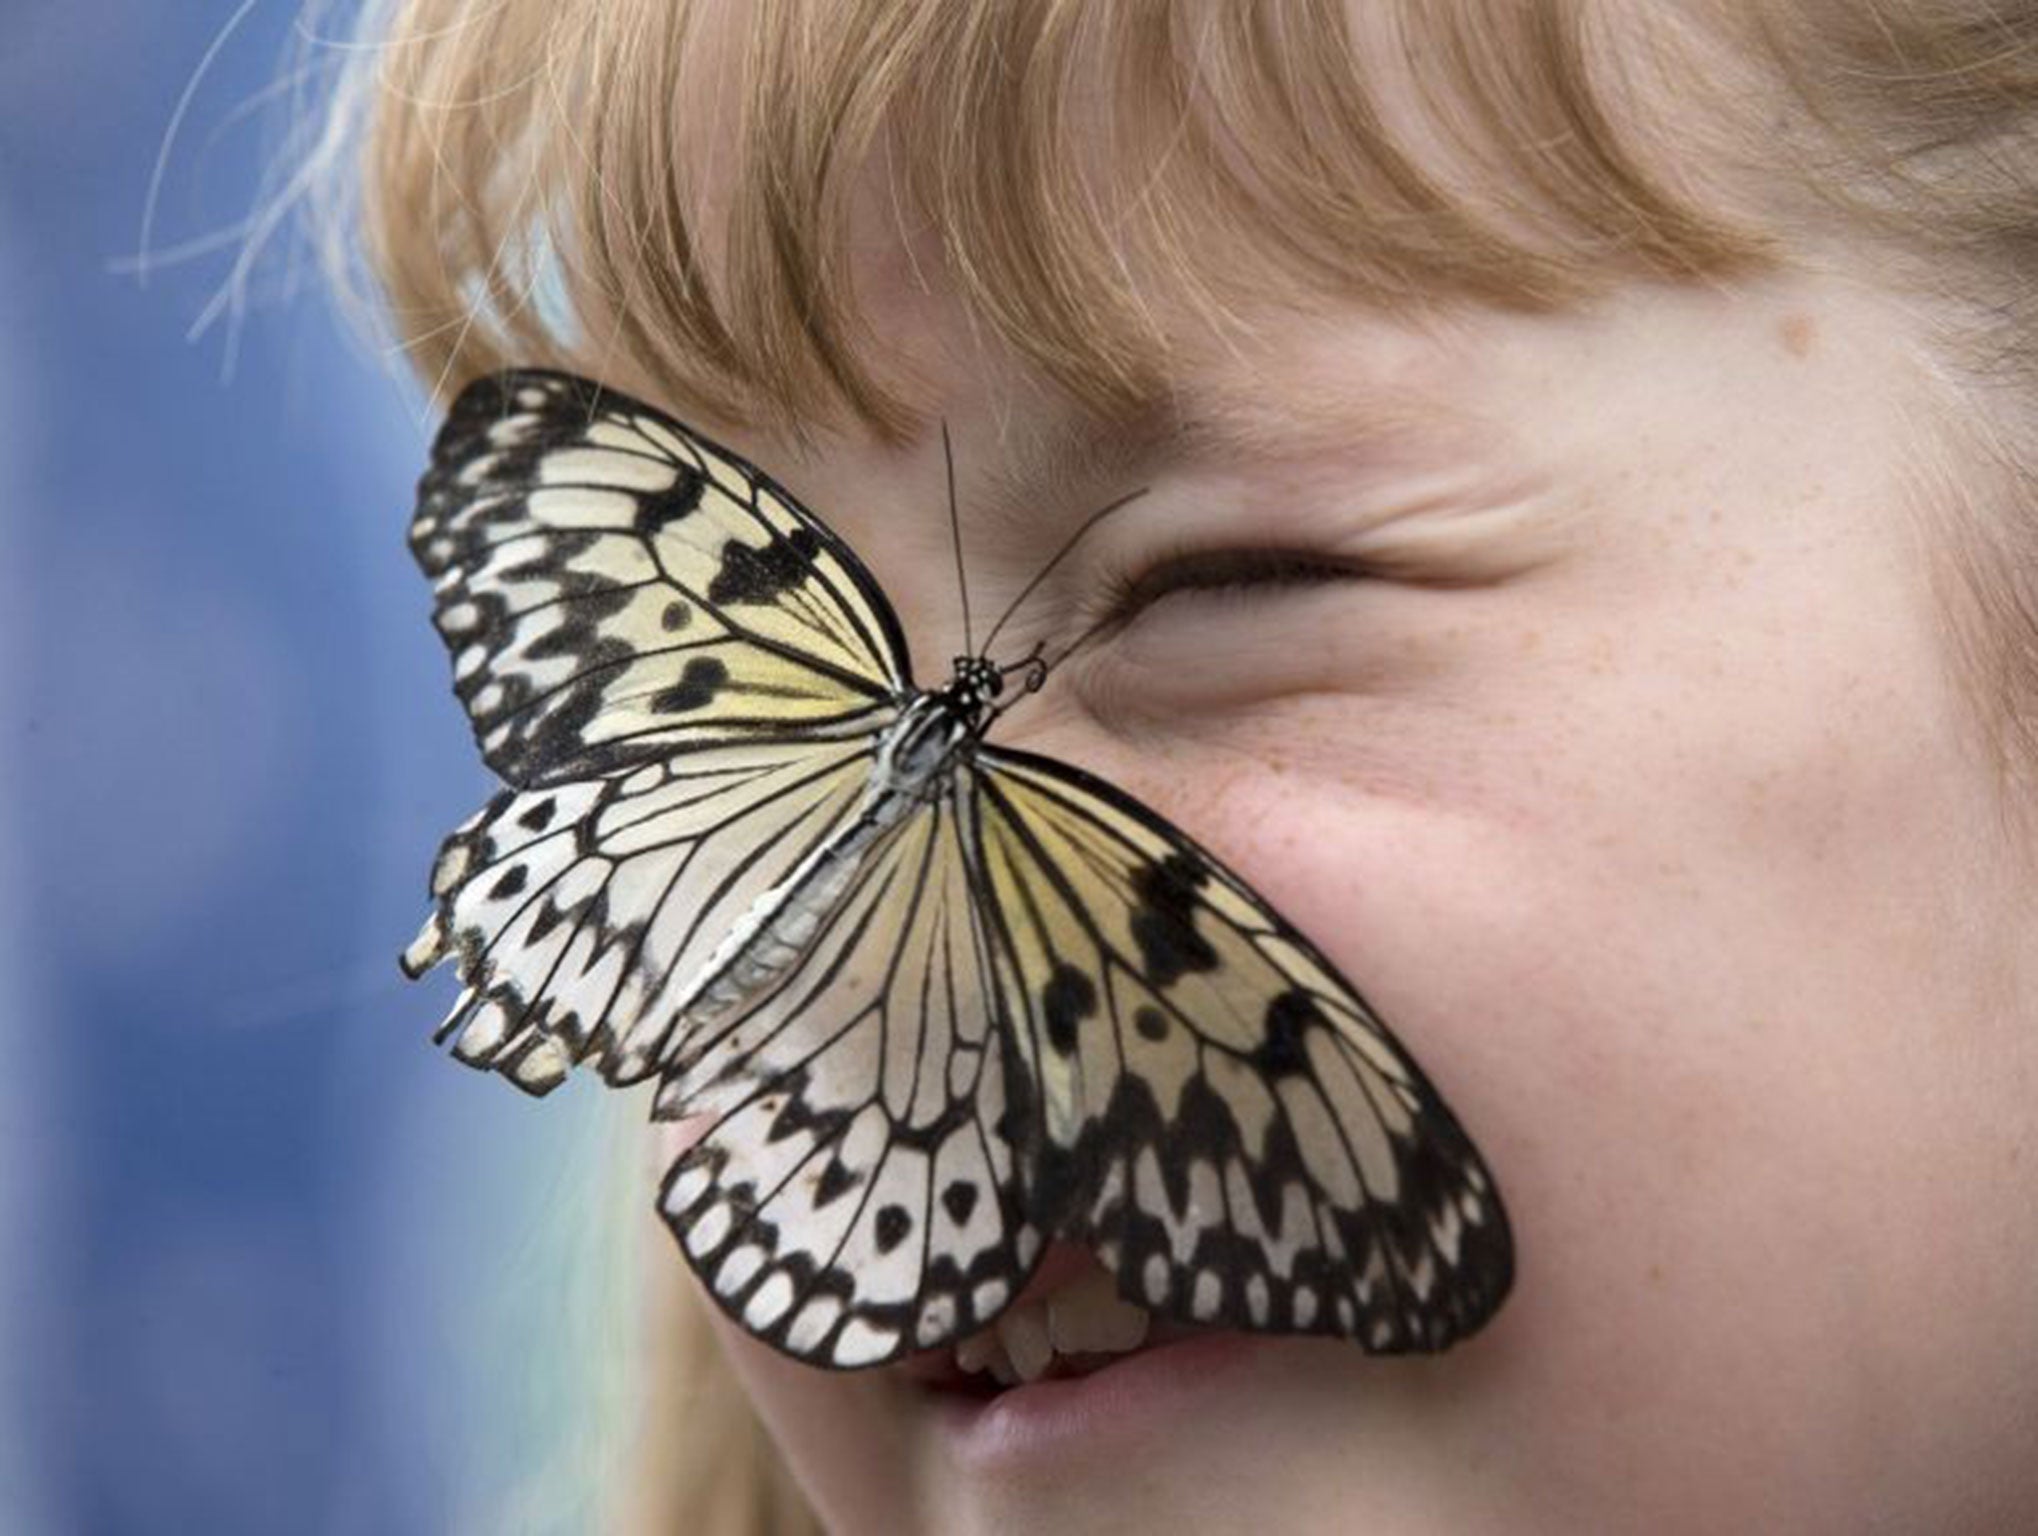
[578,910]
[1229,1124]
[855,1191]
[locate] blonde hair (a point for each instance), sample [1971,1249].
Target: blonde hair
[706,1466]
[522,200]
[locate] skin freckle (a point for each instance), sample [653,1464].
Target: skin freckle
[1798,333]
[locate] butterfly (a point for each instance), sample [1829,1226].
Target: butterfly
[936,1002]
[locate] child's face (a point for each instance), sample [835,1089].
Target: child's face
[1638,790]
[1629,772]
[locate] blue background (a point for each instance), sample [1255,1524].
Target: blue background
[267,1261]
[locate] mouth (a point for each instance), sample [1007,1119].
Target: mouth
[1069,1365]
[1069,1322]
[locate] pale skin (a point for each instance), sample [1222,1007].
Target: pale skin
[1626,765]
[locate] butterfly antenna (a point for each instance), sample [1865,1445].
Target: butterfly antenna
[1042,665]
[1059,555]
[955,536]
[1035,669]
[1032,664]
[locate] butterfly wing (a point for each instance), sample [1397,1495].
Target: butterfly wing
[683,676]
[1224,1119]
[614,587]
[855,1191]
[580,911]
[1039,1011]
[1035,1010]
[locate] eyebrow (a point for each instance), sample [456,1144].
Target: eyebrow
[1070,462]
[1084,453]
[1084,457]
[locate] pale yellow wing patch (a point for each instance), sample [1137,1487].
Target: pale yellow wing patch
[614,588]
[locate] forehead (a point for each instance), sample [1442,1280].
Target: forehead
[1120,199]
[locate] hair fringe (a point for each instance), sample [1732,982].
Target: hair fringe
[507,136]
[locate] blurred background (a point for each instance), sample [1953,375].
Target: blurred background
[268,1262]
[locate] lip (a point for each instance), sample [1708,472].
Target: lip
[1112,1411]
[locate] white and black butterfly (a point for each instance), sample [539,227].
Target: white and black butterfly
[939,1002]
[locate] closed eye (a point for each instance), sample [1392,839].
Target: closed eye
[1222,571]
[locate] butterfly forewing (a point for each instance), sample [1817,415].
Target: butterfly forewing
[614,588]
[1230,1125]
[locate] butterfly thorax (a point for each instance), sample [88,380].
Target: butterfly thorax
[914,757]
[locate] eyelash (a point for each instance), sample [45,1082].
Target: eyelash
[1218,572]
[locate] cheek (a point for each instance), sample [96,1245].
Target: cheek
[1699,995]
[842,1433]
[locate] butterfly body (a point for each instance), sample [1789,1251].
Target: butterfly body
[914,763]
[936,1002]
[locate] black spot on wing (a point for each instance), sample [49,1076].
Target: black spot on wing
[836,1180]
[791,1119]
[1068,998]
[959,1200]
[511,884]
[655,512]
[893,1223]
[1164,926]
[539,816]
[696,688]
[549,916]
[1280,1052]
[752,575]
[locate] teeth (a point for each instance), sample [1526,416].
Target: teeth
[1085,1317]
[977,1351]
[1088,1317]
[1023,1331]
